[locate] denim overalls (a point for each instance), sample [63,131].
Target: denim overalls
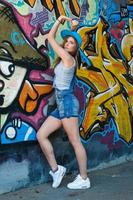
[67,103]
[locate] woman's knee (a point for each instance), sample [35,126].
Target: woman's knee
[40,136]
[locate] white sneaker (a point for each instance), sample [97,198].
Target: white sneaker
[79,183]
[58,176]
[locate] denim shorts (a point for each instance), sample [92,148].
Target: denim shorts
[67,104]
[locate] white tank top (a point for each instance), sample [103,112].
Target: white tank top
[63,76]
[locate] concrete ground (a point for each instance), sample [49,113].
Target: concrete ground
[113,183]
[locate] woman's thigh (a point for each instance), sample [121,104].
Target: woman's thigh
[71,127]
[50,125]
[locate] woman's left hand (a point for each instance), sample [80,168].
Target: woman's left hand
[63,18]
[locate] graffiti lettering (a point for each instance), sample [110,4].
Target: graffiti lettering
[57,6]
[106,98]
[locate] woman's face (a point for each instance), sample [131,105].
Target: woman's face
[70,45]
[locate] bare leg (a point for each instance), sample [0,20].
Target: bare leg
[49,126]
[71,127]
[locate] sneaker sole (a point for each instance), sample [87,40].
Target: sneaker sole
[81,188]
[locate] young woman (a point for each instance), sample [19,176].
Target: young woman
[66,114]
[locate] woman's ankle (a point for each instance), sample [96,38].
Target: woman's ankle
[54,169]
[84,176]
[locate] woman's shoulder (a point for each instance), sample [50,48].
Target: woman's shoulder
[71,62]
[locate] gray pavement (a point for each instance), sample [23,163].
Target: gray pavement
[112,183]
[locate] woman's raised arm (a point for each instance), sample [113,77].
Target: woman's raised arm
[51,38]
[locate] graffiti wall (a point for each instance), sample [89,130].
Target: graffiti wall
[104,77]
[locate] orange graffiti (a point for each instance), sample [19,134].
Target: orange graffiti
[31,2]
[58,6]
[31,93]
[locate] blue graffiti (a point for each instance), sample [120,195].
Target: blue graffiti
[17,38]
[12,134]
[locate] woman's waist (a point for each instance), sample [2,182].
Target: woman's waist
[62,83]
[64,86]
[63,91]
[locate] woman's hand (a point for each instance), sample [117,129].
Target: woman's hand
[63,18]
[74,23]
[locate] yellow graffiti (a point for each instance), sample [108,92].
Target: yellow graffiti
[31,2]
[127,46]
[108,82]
[48,4]
[57,6]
